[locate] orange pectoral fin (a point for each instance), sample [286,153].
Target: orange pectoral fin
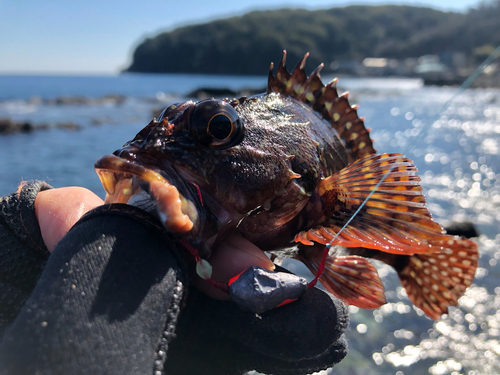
[353,279]
[394,219]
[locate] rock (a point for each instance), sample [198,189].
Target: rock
[112,99]
[69,100]
[491,80]
[25,127]
[97,121]
[7,126]
[82,100]
[464,229]
[216,92]
[68,126]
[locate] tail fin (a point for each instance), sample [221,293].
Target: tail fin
[353,279]
[435,281]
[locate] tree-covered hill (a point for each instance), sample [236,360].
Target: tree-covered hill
[246,44]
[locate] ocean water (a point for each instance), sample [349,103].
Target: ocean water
[458,156]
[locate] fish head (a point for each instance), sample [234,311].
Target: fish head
[250,164]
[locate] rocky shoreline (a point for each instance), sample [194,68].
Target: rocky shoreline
[10,126]
[77,100]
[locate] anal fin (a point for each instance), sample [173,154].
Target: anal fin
[353,279]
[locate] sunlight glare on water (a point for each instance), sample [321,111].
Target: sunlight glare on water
[459,163]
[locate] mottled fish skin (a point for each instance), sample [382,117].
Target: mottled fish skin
[286,170]
[259,184]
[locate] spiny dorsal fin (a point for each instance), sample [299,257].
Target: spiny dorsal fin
[326,101]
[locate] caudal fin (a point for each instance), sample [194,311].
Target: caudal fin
[435,281]
[353,279]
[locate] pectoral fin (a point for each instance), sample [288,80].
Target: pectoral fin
[393,220]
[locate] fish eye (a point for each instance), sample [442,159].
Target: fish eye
[215,124]
[220,126]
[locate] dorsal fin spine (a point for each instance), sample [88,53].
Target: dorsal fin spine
[312,86]
[326,101]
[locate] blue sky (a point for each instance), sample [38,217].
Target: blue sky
[98,36]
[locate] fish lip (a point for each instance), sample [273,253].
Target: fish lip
[124,178]
[129,163]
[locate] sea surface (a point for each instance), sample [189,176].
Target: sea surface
[455,145]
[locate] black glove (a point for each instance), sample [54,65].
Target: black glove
[217,337]
[110,298]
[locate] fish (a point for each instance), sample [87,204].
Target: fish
[287,171]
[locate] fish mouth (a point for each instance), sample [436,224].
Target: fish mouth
[129,182]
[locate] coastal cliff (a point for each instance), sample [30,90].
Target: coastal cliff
[336,36]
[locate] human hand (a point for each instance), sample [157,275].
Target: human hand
[302,337]
[110,259]
[57,210]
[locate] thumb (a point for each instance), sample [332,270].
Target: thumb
[57,210]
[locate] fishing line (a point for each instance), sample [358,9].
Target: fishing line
[479,70]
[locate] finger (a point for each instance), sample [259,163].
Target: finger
[57,210]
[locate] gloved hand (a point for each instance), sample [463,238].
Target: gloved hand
[114,293]
[217,337]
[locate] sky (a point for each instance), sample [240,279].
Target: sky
[99,36]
